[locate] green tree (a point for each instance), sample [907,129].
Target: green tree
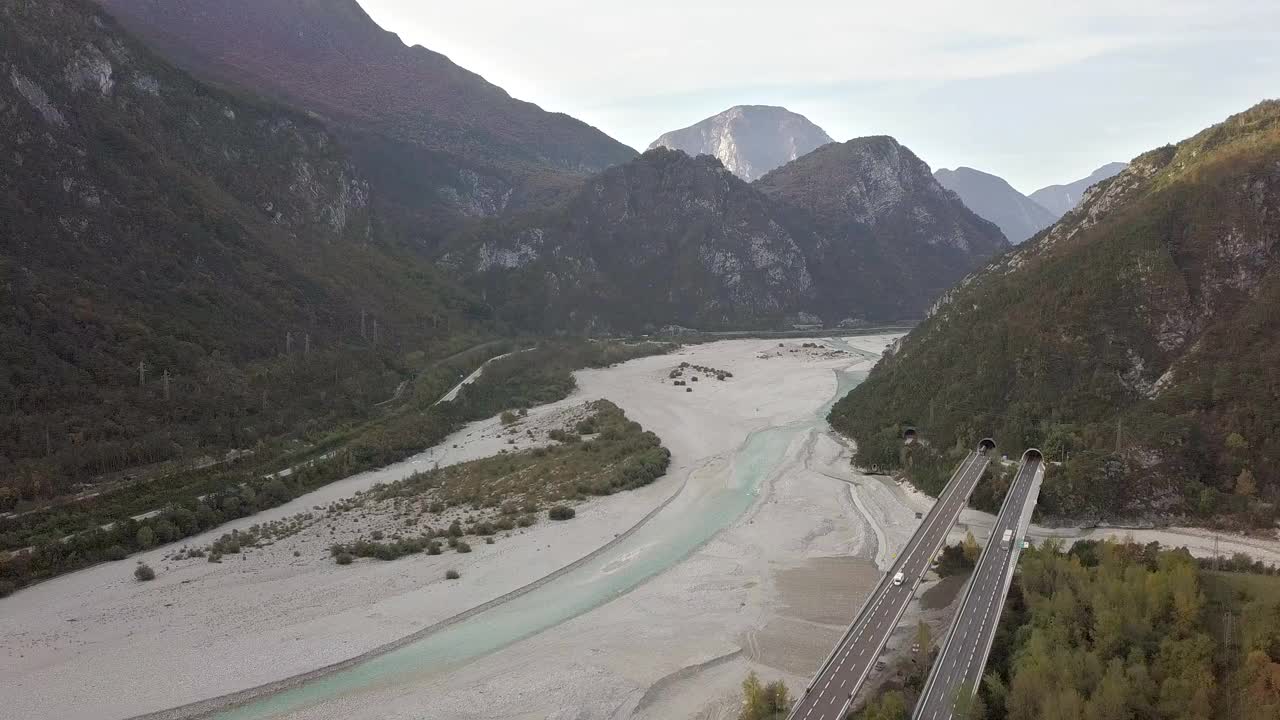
[971,548]
[146,537]
[1246,484]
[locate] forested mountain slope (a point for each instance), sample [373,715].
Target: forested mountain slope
[439,142]
[1137,340]
[183,270]
[670,239]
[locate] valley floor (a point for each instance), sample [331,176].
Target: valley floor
[98,644]
[770,592]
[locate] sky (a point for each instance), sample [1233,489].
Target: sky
[1036,92]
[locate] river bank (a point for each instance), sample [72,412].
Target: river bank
[98,644]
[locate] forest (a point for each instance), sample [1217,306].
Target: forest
[1121,631]
[1131,342]
[63,538]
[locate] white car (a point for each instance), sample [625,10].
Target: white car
[897,579]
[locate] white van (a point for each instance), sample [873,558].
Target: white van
[897,579]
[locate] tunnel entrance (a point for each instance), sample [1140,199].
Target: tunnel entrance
[1032,455]
[909,434]
[986,445]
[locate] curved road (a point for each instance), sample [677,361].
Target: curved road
[840,677]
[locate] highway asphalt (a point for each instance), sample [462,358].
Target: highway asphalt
[855,656]
[963,655]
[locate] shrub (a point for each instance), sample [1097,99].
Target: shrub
[452,575]
[376,535]
[144,573]
[7,588]
[433,548]
[115,552]
[344,558]
[463,547]
[507,417]
[526,520]
[561,512]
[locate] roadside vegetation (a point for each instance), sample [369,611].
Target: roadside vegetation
[764,702]
[60,539]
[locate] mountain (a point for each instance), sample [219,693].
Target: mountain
[882,219]
[1137,340]
[858,232]
[183,270]
[750,140]
[1018,216]
[439,141]
[1060,199]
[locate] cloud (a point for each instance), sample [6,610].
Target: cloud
[637,69]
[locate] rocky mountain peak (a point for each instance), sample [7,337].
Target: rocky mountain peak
[750,140]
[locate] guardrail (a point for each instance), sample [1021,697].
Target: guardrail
[875,591]
[968,588]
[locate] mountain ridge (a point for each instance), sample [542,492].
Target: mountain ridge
[670,239]
[440,142]
[1060,199]
[993,198]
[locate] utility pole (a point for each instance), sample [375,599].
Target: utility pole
[1119,431]
[1217,559]
[363,336]
[166,385]
[375,331]
[142,373]
[306,345]
[288,343]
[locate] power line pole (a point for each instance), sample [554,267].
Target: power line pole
[166,385]
[142,373]
[288,343]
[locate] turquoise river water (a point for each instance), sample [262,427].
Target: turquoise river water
[665,540]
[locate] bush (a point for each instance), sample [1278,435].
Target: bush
[561,512]
[116,552]
[526,520]
[144,573]
[463,547]
[376,535]
[344,558]
[7,588]
[452,575]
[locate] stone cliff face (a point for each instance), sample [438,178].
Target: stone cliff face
[1018,216]
[1149,306]
[750,140]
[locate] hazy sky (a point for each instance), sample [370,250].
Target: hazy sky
[1037,92]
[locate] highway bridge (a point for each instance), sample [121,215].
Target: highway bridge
[963,654]
[840,676]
